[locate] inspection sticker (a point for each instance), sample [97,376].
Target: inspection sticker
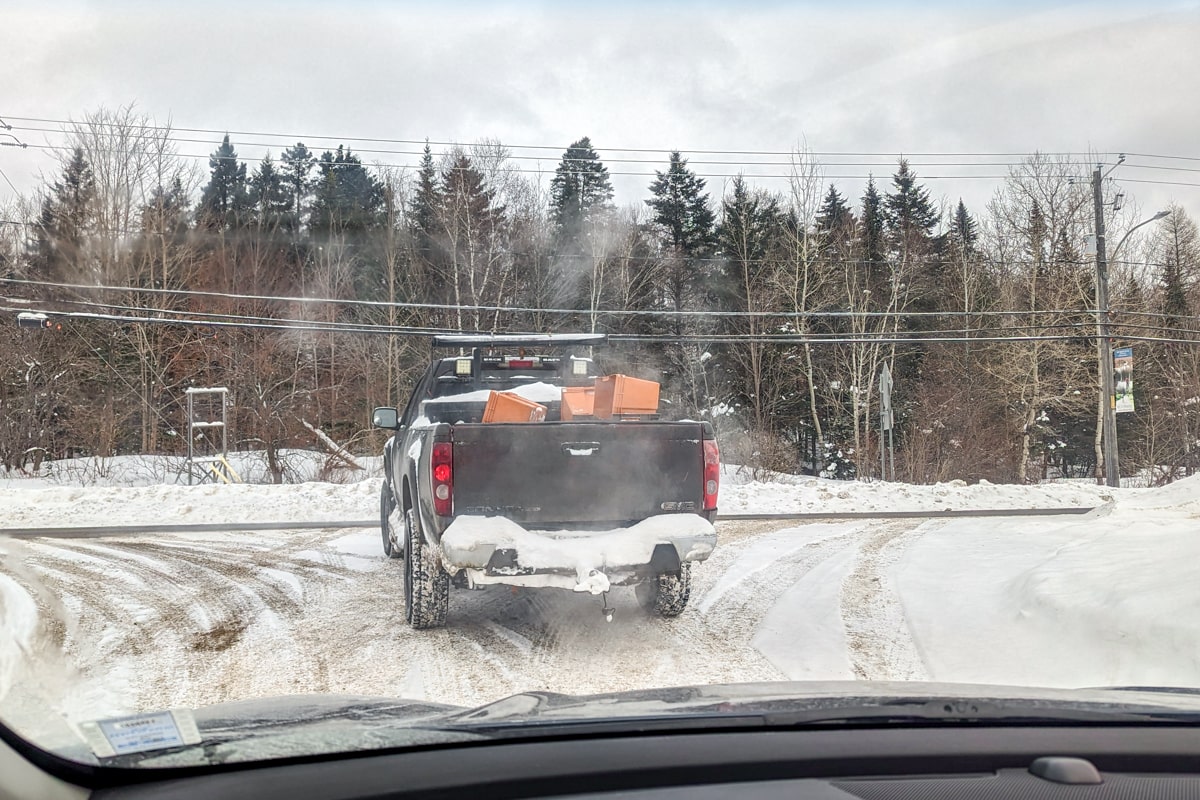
[141,732]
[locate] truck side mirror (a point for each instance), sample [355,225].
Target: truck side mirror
[385,417]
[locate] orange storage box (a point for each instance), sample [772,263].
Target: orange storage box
[577,402]
[621,395]
[509,407]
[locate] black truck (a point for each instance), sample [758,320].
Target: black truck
[574,504]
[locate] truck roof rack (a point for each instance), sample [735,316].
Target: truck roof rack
[516,339]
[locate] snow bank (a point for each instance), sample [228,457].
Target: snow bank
[41,506]
[1108,599]
[149,470]
[470,542]
[791,494]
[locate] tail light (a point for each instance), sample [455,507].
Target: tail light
[712,473]
[442,471]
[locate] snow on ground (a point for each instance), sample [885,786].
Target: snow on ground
[132,490]
[741,494]
[94,627]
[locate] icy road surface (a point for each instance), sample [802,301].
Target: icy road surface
[114,625]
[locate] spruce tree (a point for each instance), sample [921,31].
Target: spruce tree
[909,211]
[270,200]
[834,213]
[426,199]
[348,197]
[224,201]
[681,208]
[67,213]
[579,193]
[963,228]
[871,240]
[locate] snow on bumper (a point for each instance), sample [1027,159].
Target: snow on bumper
[498,550]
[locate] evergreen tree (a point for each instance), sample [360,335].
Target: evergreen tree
[1178,246]
[750,223]
[348,197]
[225,200]
[270,200]
[681,208]
[871,241]
[579,192]
[426,199]
[834,213]
[61,249]
[963,229]
[909,212]
[296,166]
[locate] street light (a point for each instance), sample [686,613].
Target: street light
[1108,436]
[1155,218]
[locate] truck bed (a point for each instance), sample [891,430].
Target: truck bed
[578,474]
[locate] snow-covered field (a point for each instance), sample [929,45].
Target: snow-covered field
[105,626]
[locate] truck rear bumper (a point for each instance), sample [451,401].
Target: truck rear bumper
[498,550]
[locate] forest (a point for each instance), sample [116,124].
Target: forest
[309,284]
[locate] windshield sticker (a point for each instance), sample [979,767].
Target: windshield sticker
[158,730]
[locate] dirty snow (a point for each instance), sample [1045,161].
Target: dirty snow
[470,541]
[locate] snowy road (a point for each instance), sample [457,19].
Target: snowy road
[114,625]
[198,619]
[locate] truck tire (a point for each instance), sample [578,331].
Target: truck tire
[426,583]
[667,594]
[387,504]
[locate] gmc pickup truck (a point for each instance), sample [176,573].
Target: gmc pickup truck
[581,504]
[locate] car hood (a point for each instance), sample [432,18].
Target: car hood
[306,725]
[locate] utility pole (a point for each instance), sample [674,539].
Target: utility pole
[1108,437]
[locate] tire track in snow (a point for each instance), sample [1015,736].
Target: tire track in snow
[880,643]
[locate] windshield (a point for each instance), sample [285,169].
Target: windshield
[882,381]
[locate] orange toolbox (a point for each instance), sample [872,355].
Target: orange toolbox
[577,402]
[509,407]
[621,395]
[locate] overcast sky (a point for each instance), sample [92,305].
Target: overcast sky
[837,77]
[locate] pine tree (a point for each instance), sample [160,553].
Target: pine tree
[225,200]
[750,223]
[834,213]
[963,229]
[681,208]
[67,213]
[270,200]
[426,199]
[910,214]
[348,197]
[871,241]
[296,166]
[580,192]
[1178,243]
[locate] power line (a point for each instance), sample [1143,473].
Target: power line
[1083,161]
[555,148]
[10,183]
[797,314]
[623,337]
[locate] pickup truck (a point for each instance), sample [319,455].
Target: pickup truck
[580,504]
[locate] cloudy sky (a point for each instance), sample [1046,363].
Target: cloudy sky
[846,77]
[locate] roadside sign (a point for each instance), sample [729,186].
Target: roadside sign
[1123,380]
[885,399]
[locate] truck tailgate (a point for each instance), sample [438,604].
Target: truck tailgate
[563,472]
